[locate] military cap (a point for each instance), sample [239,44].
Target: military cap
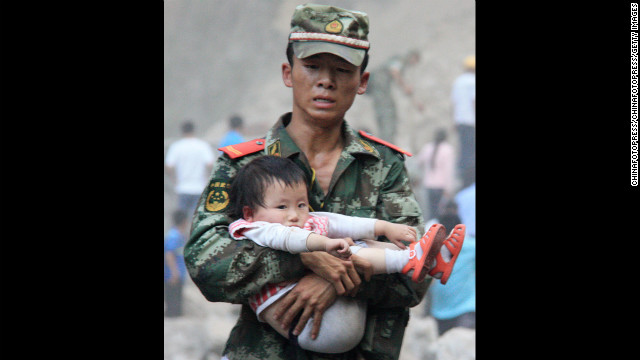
[328,29]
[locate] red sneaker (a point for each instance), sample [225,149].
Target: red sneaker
[425,251]
[454,245]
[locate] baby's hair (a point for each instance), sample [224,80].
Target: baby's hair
[249,185]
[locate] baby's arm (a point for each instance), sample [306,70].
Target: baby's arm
[396,233]
[336,247]
[296,240]
[278,236]
[341,226]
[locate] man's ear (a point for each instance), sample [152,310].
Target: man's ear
[286,74]
[247,213]
[364,81]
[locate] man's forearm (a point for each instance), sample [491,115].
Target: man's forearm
[230,270]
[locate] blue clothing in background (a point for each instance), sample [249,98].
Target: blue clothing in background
[231,138]
[466,201]
[458,295]
[174,242]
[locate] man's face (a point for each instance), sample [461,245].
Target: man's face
[324,86]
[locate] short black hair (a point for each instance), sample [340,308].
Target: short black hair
[235,121]
[187,127]
[179,216]
[250,183]
[363,66]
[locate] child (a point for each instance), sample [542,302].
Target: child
[269,194]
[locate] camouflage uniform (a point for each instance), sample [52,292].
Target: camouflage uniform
[370,180]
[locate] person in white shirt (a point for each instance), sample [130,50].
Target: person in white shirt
[189,162]
[463,99]
[270,199]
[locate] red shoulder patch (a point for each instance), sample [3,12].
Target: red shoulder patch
[385,143]
[245,148]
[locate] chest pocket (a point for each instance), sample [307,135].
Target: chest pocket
[400,204]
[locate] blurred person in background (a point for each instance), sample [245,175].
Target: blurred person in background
[189,162]
[174,268]
[350,173]
[454,305]
[447,215]
[379,88]
[463,99]
[234,134]
[437,159]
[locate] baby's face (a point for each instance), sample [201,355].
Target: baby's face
[286,205]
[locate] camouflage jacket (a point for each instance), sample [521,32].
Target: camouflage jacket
[370,181]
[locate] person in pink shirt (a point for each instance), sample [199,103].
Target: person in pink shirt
[437,159]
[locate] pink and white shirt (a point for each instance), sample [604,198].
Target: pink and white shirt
[294,239]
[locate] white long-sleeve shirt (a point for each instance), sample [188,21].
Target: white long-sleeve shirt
[294,240]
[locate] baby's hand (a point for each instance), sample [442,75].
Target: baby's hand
[339,248]
[397,233]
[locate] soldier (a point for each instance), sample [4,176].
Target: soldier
[350,172]
[379,88]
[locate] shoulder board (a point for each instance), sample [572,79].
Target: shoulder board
[242,149]
[385,143]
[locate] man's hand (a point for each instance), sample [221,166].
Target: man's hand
[341,274]
[363,266]
[312,295]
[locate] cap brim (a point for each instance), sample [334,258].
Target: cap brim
[303,49]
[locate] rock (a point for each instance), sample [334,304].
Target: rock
[457,344]
[201,333]
[185,339]
[420,339]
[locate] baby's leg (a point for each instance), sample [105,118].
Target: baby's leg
[376,256]
[386,258]
[341,330]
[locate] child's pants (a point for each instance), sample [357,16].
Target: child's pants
[341,330]
[342,324]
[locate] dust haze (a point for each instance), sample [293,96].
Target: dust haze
[223,57]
